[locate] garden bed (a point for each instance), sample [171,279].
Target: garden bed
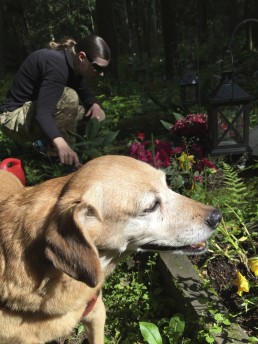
[194,299]
[135,293]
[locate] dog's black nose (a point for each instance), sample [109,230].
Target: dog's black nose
[214,218]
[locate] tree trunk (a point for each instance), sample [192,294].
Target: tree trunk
[202,20]
[120,15]
[168,14]
[1,43]
[16,38]
[255,25]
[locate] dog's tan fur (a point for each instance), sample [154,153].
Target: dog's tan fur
[9,184]
[59,240]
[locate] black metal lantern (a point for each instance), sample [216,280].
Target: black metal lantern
[228,118]
[189,86]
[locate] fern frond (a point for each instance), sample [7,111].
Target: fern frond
[236,188]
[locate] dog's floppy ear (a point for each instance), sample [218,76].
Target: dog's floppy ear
[70,248]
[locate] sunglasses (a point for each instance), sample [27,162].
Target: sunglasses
[98,69]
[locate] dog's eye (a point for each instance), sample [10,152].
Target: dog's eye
[153,207]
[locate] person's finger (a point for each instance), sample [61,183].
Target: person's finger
[88,113]
[70,158]
[61,157]
[95,115]
[76,161]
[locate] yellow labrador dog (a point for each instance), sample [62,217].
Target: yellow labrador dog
[59,240]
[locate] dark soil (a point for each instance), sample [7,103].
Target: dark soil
[222,272]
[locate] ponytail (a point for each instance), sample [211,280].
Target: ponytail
[69,43]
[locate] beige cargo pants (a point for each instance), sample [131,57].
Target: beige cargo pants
[21,126]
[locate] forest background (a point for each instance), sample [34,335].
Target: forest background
[161,37]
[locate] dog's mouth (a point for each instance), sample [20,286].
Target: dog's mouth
[197,248]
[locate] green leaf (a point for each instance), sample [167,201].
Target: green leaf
[216,329]
[150,333]
[226,322]
[243,238]
[218,317]
[167,125]
[177,323]
[209,339]
[92,128]
[80,329]
[109,138]
[177,115]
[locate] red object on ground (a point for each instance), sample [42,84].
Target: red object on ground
[15,167]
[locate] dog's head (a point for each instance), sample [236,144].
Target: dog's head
[116,204]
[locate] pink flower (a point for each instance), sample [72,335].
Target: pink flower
[198,178]
[193,125]
[142,151]
[138,151]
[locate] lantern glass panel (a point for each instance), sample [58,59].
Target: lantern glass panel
[230,123]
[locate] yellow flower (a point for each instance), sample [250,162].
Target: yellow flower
[253,264]
[242,284]
[186,161]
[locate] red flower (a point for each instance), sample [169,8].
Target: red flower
[197,150]
[177,150]
[140,136]
[206,163]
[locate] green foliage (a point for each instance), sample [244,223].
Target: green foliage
[185,177]
[119,107]
[74,19]
[134,293]
[240,211]
[4,86]
[95,140]
[150,333]
[171,331]
[236,191]
[254,115]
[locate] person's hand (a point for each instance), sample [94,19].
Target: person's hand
[66,154]
[95,111]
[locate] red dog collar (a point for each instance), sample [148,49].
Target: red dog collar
[90,305]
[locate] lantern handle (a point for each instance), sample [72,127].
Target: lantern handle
[233,35]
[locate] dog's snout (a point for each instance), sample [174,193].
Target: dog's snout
[214,218]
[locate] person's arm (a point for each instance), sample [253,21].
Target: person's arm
[66,154]
[54,73]
[50,92]
[93,109]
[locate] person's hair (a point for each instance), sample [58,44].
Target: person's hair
[92,45]
[64,44]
